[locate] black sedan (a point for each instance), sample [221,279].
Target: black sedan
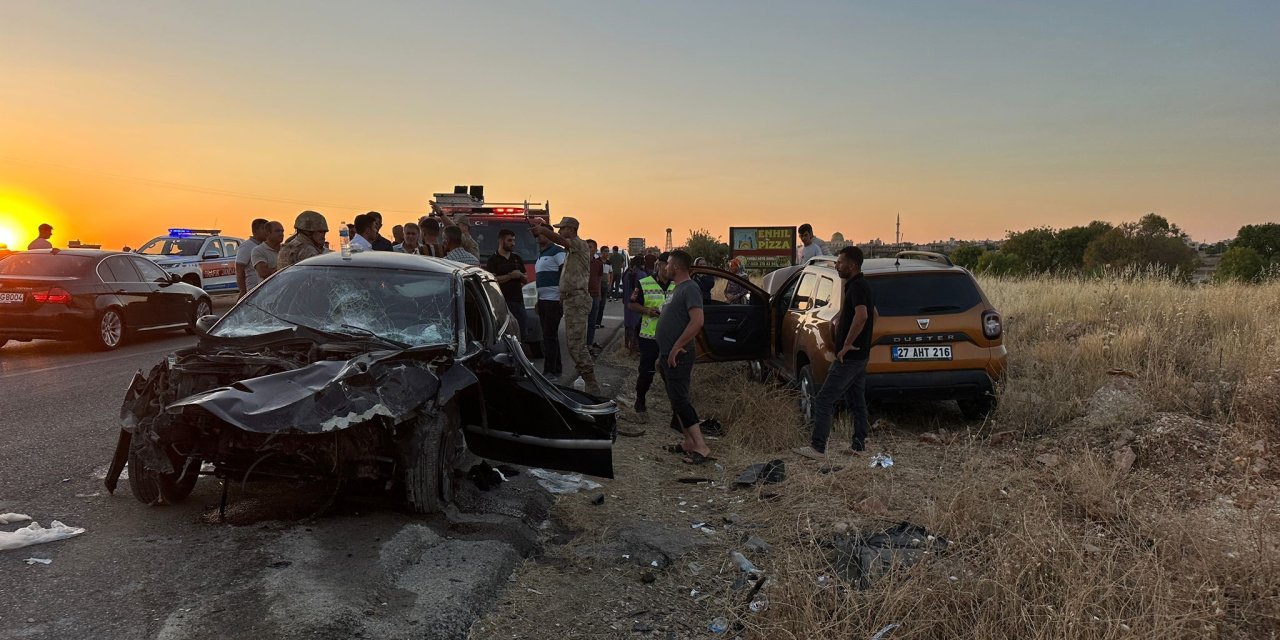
[380,369]
[102,297]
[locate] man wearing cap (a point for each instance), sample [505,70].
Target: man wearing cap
[308,240]
[42,242]
[574,294]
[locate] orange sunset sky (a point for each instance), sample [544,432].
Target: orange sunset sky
[119,120]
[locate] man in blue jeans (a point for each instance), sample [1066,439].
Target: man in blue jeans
[848,374]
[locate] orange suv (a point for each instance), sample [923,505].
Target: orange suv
[937,336]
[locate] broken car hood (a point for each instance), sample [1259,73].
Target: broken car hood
[331,395]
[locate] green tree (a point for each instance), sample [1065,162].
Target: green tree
[1241,264]
[1002,263]
[1070,244]
[1152,242]
[1036,247]
[1262,238]
[967,256]
[701,244]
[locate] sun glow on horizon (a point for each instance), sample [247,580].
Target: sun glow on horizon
[21,215]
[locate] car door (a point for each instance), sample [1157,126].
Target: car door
[527,419]
[736,320]
[135,296]
[795,318]
[173,303]
[217,271]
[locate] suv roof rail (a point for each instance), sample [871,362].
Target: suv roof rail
[931,256]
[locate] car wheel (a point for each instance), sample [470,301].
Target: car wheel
[808,393]
[156,488]
[977,408]
[109,332]
[203,308]
[428,468]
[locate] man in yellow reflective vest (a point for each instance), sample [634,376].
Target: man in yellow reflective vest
[648,300]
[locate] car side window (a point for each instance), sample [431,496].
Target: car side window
[803,300]
[823,296]
[118,269]
[212,247]
[497,303]
[229,248]
[149,271]
[476,312]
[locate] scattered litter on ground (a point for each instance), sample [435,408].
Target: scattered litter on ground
[560,483]
[693,480]
[881,634]
[695,569]
[598,500]
[881,460]
[39,561]
[486,477]
[771,472]
[743,563]
[759,604]
[718,625]
[861,560]
[36,534]
[88,495]
[10,518]
[756,545]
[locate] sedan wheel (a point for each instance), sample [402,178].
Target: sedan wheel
[110,330]
[807,394]
[203,308]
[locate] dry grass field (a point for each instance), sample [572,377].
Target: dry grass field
[1131,491]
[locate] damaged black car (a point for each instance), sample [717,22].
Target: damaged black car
[380,367]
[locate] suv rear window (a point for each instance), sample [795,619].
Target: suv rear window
[485,233]
[45,264]
[921,293]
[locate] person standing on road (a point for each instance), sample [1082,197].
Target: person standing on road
[362,239]
[647,300]
[308,240]
[42,240]
[593,288]
[619,263]
[848,375]
[453,248]
[378,242]
[546,271]
[430,236]
[574,294]
[630,317]
[813,247]
[735,293]
[397,235]
[508,268]
[246,279]
[606,285]
[266,256]
[410,243]
[679,323]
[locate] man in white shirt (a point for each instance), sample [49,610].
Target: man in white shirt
[244,255]
[265,256]
[42,242]
[366,233]
[813,247]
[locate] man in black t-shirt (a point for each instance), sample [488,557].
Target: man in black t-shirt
[508,268]
[848,374]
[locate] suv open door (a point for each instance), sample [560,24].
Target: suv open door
[736,316]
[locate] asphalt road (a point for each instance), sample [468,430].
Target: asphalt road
[362,568]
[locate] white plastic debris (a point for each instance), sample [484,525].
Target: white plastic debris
[759,604]
[743,563]
[885,631]
[10,518]
[560,483]
[39,561]
[36,534]
[881,460]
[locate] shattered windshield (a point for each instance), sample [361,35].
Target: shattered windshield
[408,307]
[165,246]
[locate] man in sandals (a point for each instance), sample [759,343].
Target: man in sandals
[848,375]
[678,324]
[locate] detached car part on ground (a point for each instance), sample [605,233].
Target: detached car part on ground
[382,368]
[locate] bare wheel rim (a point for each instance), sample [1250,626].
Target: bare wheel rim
[203,309]
[806,399]
[110,328]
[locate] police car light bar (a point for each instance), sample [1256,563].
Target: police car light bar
[187,233]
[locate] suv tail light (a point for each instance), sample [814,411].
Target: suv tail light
[992,326]
[56,295]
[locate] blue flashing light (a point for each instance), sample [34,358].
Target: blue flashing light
[180,233]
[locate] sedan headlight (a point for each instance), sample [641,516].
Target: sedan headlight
[530,292]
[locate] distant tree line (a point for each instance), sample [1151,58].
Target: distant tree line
[1151,243]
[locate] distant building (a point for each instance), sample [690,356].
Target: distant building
[836,243]
[635,246]
[76,244]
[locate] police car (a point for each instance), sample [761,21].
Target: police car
[201,257]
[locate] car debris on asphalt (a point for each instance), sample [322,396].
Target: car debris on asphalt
[35,534]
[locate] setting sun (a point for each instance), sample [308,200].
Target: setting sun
[20,215]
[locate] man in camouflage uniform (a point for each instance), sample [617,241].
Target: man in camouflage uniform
[308,240]
[574,294]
